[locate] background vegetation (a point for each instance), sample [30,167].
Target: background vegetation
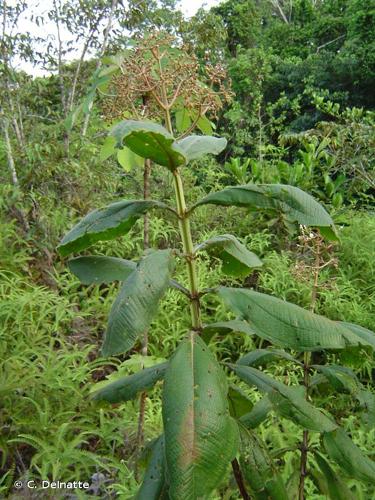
[300,74]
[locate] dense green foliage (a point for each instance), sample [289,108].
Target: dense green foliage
[301,114]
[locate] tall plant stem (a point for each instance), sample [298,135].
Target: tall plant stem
[187,244]
[306,376]
[146,244]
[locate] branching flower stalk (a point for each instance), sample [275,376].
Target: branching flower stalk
[315,243]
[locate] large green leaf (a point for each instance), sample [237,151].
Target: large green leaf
[154,485]
[101,269]
[150,140]
[137,302]
[201,438]
[126,388]
[348,456]
[195,146]
[260,357]
[286,324]
[366,335]
[105,224]
[237,259]
[258,469]
[333,486]
[295,204]
[289,402]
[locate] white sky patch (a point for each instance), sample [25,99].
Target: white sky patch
[47,30]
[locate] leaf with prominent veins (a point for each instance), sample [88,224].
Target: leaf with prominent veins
[138,300]
[200,436]
[106,224]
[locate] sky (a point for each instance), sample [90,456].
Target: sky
[48,30]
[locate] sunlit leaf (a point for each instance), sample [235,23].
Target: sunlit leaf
[196,146]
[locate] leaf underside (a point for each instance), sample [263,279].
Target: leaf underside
[196,146]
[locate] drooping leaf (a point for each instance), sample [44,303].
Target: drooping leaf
[341,449]
[224,327]
[258,414]
[105,224]
[127,388]
[100,269]
[154,483]
[128,160]
[366,335]
[260,357]
[258,469]
[137,302]
[287,325]
[295,204]
[196,146]
[239,403]
[333,486]
[150,140]
[200,436]
[237,259]
[289,402]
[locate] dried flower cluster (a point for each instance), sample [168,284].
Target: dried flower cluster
[159,75]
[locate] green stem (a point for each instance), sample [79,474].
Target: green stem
[187,244]
[185,231]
